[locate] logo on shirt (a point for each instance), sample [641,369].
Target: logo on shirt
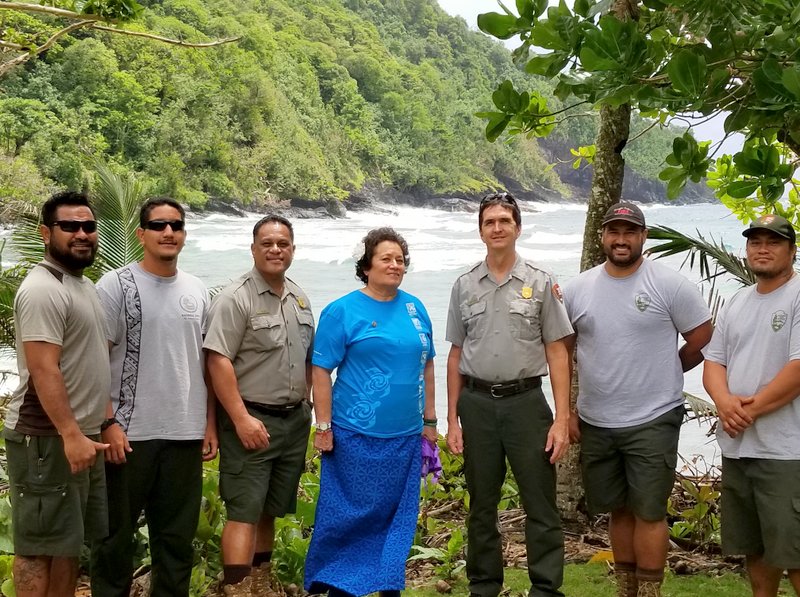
[527,292]
[188,303]
[642,301]
[412,309]
[557,292]
[778,320]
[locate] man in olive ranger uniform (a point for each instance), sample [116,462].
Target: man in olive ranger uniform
[259,358]
[507,327]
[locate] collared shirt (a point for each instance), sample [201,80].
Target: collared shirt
[502,327]
[267,337]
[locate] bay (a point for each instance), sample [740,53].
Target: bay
[442,246]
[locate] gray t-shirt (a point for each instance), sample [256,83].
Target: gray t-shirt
[628,366]
[755,337]
[59,308]
[502,327]
[155,326]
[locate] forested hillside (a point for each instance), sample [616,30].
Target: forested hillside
[317,99]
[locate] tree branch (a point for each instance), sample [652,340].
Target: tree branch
[50,10]
[22,58]
[167,40]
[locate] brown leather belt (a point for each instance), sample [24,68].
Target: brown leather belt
[274,410]
[503,389]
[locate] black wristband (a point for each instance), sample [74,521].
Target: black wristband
[108,423]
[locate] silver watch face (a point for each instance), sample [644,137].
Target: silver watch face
[323,426]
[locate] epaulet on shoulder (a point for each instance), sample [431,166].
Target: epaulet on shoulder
[536,267]
[472,268]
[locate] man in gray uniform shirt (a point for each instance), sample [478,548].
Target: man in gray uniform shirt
[259,357]
[627,314]
[507,326]
[752,372]
[52,427]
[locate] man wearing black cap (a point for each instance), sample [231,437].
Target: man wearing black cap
[627,314]
[752,372]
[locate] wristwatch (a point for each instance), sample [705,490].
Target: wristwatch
[322,427]
[107,423]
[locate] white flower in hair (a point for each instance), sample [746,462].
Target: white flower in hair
[359,250]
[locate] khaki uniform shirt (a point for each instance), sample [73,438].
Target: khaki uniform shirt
[502,327]
[267,337]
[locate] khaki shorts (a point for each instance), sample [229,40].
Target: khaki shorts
[52,510]
[256,482]
[631,467]
[761,510]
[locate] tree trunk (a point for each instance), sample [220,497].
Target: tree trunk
[609,171]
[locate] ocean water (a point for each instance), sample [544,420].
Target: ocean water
[442,246]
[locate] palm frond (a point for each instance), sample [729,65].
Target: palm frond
[711,256]
[10,279]
[27,240]
[117,200]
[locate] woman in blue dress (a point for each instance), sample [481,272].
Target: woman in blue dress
[379,340]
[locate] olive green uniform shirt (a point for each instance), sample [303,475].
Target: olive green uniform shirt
[502,327]
[267,337]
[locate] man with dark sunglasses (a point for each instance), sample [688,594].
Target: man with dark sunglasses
[52,427]
[508,327]
[158,423]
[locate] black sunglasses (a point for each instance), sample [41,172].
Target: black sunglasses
[72,226]
[160,225]
[501,197]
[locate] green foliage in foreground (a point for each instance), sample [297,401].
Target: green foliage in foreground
[594,580]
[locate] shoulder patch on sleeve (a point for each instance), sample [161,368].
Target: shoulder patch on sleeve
[556,290]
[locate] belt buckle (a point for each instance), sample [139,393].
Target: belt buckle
[492,388]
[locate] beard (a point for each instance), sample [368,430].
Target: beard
[70,260]
[633,257]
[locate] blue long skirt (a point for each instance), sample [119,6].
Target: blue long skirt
[366,514]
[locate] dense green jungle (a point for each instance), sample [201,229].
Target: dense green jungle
[318,100]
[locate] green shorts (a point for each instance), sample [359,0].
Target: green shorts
[631,467]
[52,510]
[761,510]
[256,482]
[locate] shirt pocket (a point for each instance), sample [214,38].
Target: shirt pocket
[474,317]
[524,319]
[305,322]
[269,331]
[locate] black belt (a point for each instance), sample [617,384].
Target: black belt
[503,389]
[274,410]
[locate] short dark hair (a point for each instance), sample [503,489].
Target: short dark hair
[504,199]
[152,203]
[50,207]
[273,218]
[371,241]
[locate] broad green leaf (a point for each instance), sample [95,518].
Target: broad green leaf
[767,80]
[593,62]
[496,126]
[599,8]
[687,71]
[742,188]
[545,35]
[582,7]
[675,187]
[670,173]
[498,25]
[795,17]
[525,8]
[791,80]
[737,121]
[547,65]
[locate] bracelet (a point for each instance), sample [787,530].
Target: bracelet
[429,422]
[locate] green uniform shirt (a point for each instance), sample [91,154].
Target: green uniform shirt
[502,327]
[267,337]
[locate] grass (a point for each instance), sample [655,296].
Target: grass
[593,580]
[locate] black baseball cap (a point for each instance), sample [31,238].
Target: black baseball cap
[627,212]
[773,223]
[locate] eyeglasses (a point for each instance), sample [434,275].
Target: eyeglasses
[499,198]
[161,225]
[72,226]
